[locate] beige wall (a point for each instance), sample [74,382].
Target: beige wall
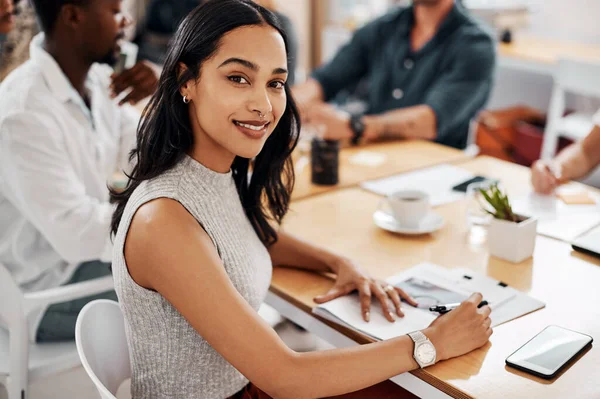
[573,20]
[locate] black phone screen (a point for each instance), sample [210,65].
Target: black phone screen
[462,187]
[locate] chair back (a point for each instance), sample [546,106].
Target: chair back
[102,346]
[572,76]
[11,299]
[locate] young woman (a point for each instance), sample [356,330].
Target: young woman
[196,237]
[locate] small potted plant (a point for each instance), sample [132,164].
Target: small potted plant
[511,236]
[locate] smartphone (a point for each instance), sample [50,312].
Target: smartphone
[546,354]
[462,187]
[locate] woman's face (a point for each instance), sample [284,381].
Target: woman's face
[7,18]
[239,97]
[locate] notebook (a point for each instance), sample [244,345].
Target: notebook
[557,219]
[588,243]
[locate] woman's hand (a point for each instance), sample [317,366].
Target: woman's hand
[461,330]
[351,278]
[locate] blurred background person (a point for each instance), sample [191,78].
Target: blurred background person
[62,137]
[429,68]
[574,162]
[17,27]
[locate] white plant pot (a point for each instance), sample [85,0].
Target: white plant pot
[512,241]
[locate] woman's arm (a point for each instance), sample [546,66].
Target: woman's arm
[581,158]
[574,162]
[167,251]
[290,251]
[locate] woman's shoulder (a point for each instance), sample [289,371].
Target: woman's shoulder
[165,185]
[155,205]
[161,213]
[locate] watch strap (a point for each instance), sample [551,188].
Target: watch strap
[417,337]
[358,128]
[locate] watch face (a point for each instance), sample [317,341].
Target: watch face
[426,353]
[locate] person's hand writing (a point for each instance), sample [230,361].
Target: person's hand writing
[544,177]
[142,79]
[461,330]
[351,278]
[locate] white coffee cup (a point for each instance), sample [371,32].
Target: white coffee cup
[409,207]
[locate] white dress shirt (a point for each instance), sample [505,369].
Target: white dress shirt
[596,118]
[56,159]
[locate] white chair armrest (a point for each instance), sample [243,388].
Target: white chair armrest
[472,151]
[68,292]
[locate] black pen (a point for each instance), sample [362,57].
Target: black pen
[443,309]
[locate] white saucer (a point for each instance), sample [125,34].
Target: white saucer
[432,222]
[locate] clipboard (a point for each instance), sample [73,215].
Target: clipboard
[515,304]
[506,302]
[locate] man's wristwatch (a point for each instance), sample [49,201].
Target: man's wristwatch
[424,353]
[358,128]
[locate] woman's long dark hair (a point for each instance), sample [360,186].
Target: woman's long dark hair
[165,132]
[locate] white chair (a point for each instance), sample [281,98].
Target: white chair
[472,149]
[102,346]
[22,362]
[577,77]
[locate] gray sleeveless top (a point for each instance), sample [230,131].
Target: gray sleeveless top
[169,358]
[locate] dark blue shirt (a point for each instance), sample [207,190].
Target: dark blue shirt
[452,73]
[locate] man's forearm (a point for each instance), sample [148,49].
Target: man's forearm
[418,122]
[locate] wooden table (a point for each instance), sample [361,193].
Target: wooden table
[565,280]
[400,156]
[541,55]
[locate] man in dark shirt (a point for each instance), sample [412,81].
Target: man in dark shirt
[430,70]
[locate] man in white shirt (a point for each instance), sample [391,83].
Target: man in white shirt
[574,162]
[62,136]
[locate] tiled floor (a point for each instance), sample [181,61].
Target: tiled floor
[75,384]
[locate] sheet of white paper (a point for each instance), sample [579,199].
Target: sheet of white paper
[347,309]
[368,158]
[568,228]
[436,181]
[557,219]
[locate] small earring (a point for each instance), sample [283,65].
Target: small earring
[186,100]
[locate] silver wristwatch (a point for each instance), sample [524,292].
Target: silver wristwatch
[424,352]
